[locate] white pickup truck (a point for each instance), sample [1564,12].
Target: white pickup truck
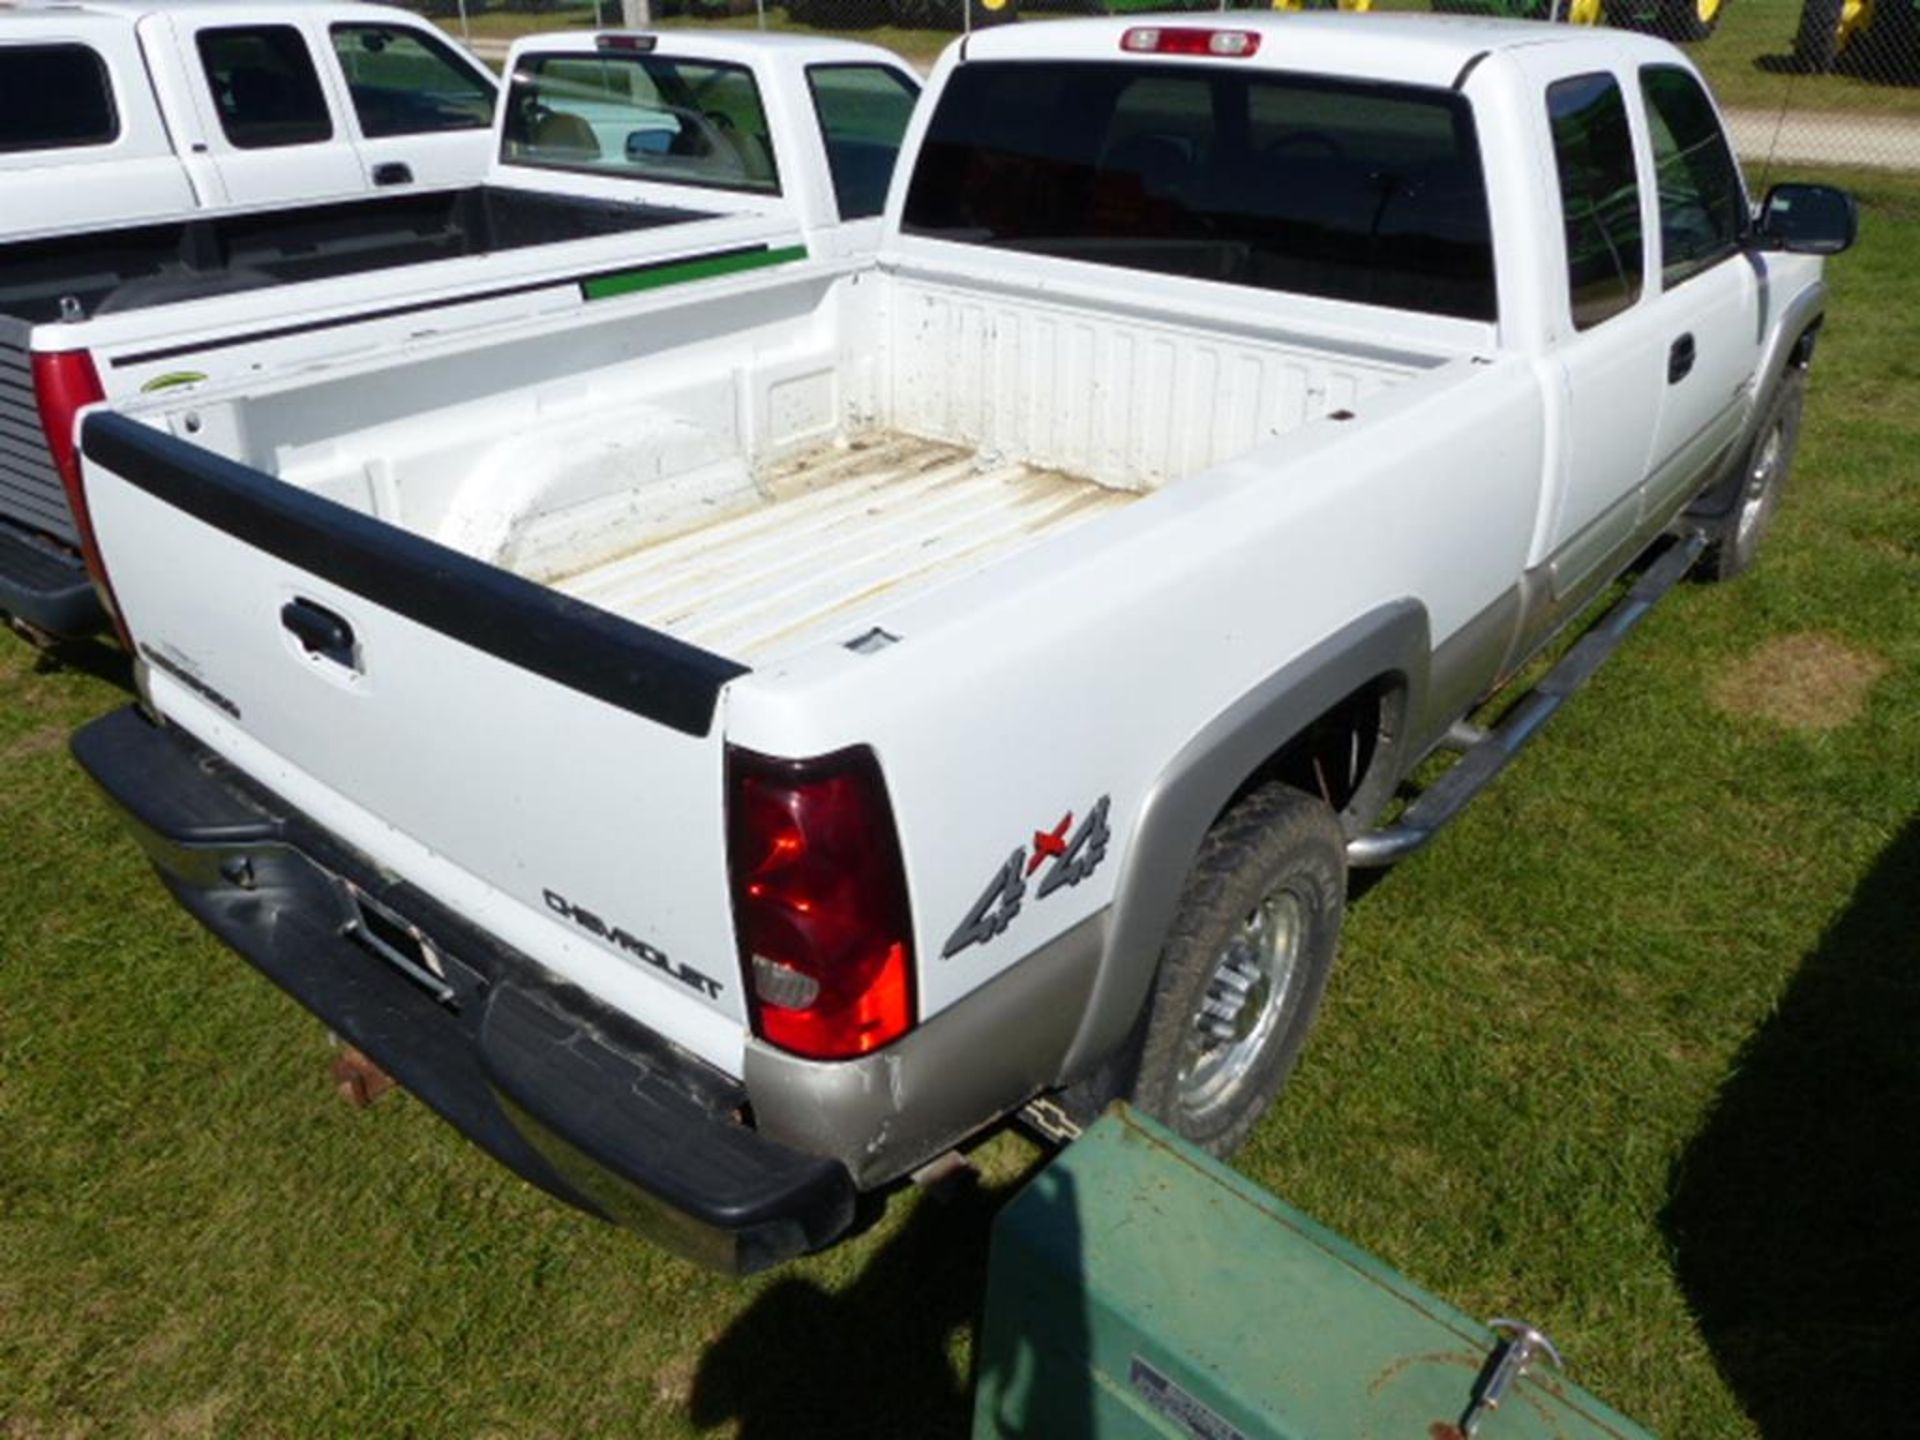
[621,163]
[119,110]
[724,753]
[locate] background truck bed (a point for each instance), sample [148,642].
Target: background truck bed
[115,271]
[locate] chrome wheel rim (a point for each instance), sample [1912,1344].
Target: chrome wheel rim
[1758,500]
[1249,991]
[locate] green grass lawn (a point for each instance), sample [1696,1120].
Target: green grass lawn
[1746,61]
[1631,1052]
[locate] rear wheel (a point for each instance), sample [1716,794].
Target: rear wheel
[953,14]
[1691,19]
[1243,970]
[1737,535]
[1828,28]
[1323,4]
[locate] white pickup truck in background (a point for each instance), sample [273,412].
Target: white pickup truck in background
[621,164]
[113,111]
[723,752]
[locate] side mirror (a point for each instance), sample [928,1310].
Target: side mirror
[644,143]
[1806,220]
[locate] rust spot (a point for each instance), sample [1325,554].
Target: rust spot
[359,1081]
[1445,1430]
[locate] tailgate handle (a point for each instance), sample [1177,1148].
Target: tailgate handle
[319,631]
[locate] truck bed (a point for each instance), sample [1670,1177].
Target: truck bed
[837,526]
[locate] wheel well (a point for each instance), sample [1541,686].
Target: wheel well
[1339,756]
[1801,355]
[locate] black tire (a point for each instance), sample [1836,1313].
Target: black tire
[1280,855]
[953,14]
[1817,42]
[991,12]
[1680,20]
[1737,534]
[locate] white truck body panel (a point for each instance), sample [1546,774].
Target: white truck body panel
[1026,526]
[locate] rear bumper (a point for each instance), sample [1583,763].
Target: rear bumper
[571,1095]
[46,586]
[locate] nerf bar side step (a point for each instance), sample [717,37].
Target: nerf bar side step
[1482,761]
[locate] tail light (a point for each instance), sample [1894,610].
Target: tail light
[65,382]
[1190,40]
[819,902]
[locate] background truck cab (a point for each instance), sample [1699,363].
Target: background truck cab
[121,110]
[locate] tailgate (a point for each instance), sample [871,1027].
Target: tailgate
[549,771]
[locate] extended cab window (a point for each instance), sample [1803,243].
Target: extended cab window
[1599,196]
[645,117]
[406,83]
[1351,191]
[863,112]
[264,86]
[54,97]
[1702,205]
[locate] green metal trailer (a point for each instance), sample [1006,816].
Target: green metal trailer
[1139,1288]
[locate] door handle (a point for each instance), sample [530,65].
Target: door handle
[393,172]
[1680,360]
[321,633]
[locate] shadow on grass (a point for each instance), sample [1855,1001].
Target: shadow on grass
[873,1359]
[97,657]
[1795,1214]
[1868,63]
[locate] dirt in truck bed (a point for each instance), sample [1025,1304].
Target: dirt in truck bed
[833,528]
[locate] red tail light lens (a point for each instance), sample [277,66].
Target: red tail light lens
[819,902]
[65,382]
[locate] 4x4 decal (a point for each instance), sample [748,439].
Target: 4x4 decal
[1073,859]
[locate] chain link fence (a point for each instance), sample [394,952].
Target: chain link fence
[1804,82]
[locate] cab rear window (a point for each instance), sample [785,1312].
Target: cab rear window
[54,97]
[640,117]
[1343,190]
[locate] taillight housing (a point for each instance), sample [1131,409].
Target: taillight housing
[819,902]
[1191,40]
[65,382]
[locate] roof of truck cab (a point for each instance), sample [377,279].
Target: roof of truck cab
[717,43]
[1393,46]
[134,9]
